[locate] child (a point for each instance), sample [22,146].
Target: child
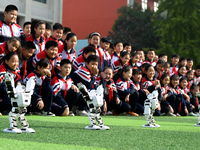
[163,56]
[47,33]
[127,47]
[159,69]
[143,69]
[134,60]
[111,49]
[37,35]
[189,63]
[123,61]
[43,93]
[190,77]
[65,93]
[197,75]
[150,83]
[174,64]
[150,55]
[50,52]
[69,52]
[168,99]
[8,26]
[81,60]
[12,45]
[27,29]
[10,65]
[113,103]
[27,51]
[56,36]
[142,57]
[127,90]
[181,71]
[183,61]
[66,31]
[105,44]
[167,68]
[118,47]
[194,100]
[87,76]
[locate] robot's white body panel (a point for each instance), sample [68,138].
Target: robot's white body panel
[198,116]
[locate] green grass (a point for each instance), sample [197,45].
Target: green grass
[57,133]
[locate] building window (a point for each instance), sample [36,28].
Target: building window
[144,4]
[155,6]
[41,1]
[130,3]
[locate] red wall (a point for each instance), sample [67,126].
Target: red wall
[86,16]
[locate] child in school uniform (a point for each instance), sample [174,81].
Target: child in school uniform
[27,29]
[50,52]
[189,64]
[10,65]
[183,61]
[150,55]
[8,26]
[163,56]
[42,97]
[118,47]
[159,69]
[190,77]
[181,71]
[105,45]
[127,47]
[197,75]
[47,33]
[134,60]
[65,93]
[127,91]
[174,64]
[37,35]
[167,68]
[194,100]
[141,58]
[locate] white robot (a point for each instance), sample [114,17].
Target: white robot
[198,116]
[20,99]
[94,100]
[150,104]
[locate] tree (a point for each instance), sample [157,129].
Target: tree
[135,26]
[179,30]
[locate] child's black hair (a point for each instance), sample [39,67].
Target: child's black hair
[26,23]
[70,35]
[189,59]
[14,38]
[126,44]
[89,49]
[147,67]
[193,86]
[57,26]
[124,53]
[124,69]
[150,50]
[117,43]
[51,44]
[35,24]
[66,30]
[183,78]
[134,54]
[189,71]
[175,55]
[10,8]
[198,67]
[174,77]
[161,55]
[65,61]
[93,34]
[43,63]
[160,61]
[9,55]
[167,63]
[181,66]
[164,75]
[48,26]
[107,67]
[28,45]
[182,59]
[111,45]
[144,65]
[136,71]
[140,50]
[94,58]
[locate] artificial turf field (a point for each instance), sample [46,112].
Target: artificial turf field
[58,133]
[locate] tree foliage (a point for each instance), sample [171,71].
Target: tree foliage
[135,26]
[179,30]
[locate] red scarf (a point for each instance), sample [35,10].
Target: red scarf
[24,67]
[66,86]
[110,92]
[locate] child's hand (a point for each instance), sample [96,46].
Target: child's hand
[102,74]
[117,101]
[187,98]
[186,111]
[75,88]
[171,109]
[48,73]
[40,104]
[104,108]
[192,107]
[157,82]
[127,98]
[165,97]
[94,71]
[146,91]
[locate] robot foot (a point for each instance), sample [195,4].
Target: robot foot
[92,127]
[197,125]
[104,128]
[27,130]
[156,125]
[148,126]
[14,130]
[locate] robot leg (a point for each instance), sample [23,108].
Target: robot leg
[154,105]
[24,122]
[198,116]
[13,122]
[100,121]
[91,116]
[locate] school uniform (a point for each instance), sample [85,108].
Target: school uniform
[139,64]
[55,62]
[5,101]
[23,67]
[196,79]
[79,63]
[40,45]
[9,30]
[158,74]
[114,57]
[153,63]
[173,69]
[108,58]
[131,65]
[42,91]
[64,96]
[117,65]
[60,43]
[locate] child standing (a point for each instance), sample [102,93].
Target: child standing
[183,61]
[127,47]
[150,55]
[174,64]
[105,45]
[8,26]
[27,29]
[47,33]
[66,31]
[163,56]
[118,47]
[189,63]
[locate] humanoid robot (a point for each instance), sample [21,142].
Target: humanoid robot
[198,116]
[20,99]
[150,104]
[94,100]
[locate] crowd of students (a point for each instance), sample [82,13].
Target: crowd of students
[48,56]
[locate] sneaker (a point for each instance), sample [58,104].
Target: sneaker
[109,113]
[130,113]
[81,113]
[92,127]
[170,114]
[148,126]
[178,115]
[191,114]
[48,113]
[71,113]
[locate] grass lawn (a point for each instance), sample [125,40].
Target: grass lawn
[57,133]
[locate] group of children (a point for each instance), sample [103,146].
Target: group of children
[48,56]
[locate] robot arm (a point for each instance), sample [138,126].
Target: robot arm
[10,85]
[30,85]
